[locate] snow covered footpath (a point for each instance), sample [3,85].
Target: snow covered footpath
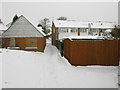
[22,69]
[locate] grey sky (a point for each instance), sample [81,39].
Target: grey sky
[34,11]
[0,9]
[119,13]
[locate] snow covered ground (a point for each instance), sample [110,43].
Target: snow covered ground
[0,69]
[23,69]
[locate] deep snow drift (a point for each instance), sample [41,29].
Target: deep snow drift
[0,70]
[22,69]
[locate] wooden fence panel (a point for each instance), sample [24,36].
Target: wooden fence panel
[80,52]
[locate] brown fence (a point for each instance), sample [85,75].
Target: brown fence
[86,52]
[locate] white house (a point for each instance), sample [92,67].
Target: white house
[62,29]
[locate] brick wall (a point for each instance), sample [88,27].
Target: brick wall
[39,42]
[31,42]
[4,42]
[22,43]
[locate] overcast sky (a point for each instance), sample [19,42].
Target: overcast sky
[0,9]
[34,11]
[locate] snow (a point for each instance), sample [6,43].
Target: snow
[73,24]
[0,70]
[83,37]
[9,24]
[13,47]
[103,25]
[48,40]
[41,30]
[49,33]
[31,48]
[3,27]
[83,24]
[108,30]
[23,69]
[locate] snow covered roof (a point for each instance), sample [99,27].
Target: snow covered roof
[79,24]
[103,25]
[84,37]
[8,25]
[22,28]
[72,24]
[41,30]
[3,27]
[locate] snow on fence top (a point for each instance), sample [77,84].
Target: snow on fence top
[78,24]
[84,37]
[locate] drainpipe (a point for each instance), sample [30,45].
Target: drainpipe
[89,27]
[78,31]
[99,31]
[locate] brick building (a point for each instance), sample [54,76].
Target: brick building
[23,35]
[3,28]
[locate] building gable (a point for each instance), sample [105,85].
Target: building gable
[22,28]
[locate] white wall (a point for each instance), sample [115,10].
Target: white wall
[62,35]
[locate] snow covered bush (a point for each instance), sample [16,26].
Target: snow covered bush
[116,33]
[107,34]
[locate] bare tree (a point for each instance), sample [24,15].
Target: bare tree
[45,24]
[62,18]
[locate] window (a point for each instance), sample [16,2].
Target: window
[63,30]
[74,30]
[83,30]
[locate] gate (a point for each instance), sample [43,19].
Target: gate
[60,46]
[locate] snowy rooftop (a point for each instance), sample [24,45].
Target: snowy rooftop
[61,23]
[102,24]
[22,28]
[40,30]
[3,27]
[8,25]
[79,24]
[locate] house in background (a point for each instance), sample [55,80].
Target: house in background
[23,35]
[62,29]
[3,28]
